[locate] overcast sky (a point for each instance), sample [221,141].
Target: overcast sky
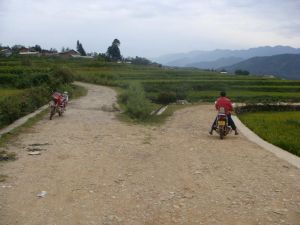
[150,27]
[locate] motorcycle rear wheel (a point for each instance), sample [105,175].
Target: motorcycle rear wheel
[221,135]
[221,132]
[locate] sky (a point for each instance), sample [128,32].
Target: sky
[150,28]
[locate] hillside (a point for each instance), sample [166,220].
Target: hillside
[194,57]
[222,62]
[285,65]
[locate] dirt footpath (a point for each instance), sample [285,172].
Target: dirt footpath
[98,170]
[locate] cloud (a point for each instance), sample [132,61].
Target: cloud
[150,27]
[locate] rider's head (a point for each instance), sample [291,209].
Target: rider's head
[222,93]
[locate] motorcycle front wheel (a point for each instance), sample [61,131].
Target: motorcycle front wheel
[52,112]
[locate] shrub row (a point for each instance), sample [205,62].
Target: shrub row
[179,86]
[14,107]
[55,77]
[266,108]
[107,80]
[22,69]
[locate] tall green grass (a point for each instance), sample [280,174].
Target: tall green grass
[4,92]
[22,91]
[135,102]
[279,128]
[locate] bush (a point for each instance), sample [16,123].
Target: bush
[10,109]
[266,108]
[241,72]
[137,105]
[14,107]
[166,97]
[7,80]
[63,75]
[32,80]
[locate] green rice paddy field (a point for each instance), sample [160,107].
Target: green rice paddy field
[279,128]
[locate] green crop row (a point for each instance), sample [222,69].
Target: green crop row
[34,91]
[4,92]
[280,128]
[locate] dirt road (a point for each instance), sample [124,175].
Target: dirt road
[98,170]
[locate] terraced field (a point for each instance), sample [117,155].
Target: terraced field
[279,128]
[191,84]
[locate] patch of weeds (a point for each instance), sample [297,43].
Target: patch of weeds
[3,177]
[78,91]
[7,156]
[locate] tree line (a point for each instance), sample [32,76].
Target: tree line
[113,53]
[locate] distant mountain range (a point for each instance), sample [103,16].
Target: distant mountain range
[285,65]
[194,57]
[222,62]
[239,59]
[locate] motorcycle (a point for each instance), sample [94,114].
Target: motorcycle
[56,105]
[222,127]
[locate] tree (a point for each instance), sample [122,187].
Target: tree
[241,72]
[113,51]
[80,49]
[37,48]
[16,48]
[53,50]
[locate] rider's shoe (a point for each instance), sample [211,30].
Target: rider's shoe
[210,132]
[235,132]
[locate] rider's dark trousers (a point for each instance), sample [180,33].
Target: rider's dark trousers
[230,123]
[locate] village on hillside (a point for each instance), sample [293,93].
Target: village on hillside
[32,51]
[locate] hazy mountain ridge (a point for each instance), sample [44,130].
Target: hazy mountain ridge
[206,58]
[284,65]
[222,62]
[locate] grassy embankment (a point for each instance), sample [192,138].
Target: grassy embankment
[279,128]
[26,85]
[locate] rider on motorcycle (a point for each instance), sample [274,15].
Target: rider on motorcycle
[224,102]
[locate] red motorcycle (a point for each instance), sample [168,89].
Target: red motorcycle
[56,105]
[222,127]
